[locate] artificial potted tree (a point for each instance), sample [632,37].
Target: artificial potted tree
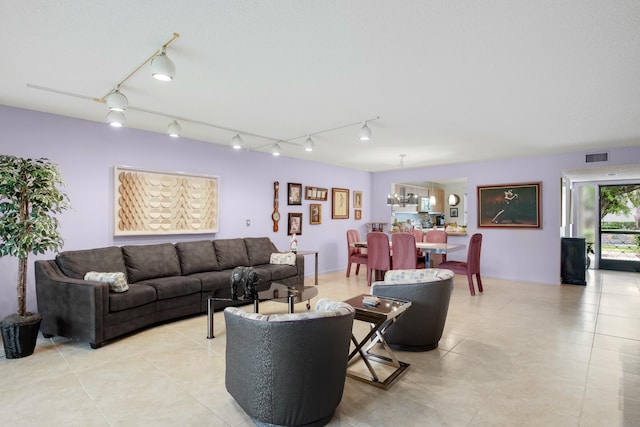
[29,200]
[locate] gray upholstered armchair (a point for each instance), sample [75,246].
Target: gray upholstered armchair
[288,369]
[429,291]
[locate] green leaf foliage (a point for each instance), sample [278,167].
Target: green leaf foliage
[30,199]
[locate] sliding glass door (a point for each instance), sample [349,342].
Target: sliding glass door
[619,230]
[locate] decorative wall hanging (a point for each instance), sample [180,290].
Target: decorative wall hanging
[294,194]
[295,224]
[509,206]
[315,213]
[148,202]
[357,214]
[315,193]
[339,203]
[357,199]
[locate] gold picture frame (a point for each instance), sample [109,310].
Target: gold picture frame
[340,203]
[357,200]
[509,205]
[357,214]
[315,213]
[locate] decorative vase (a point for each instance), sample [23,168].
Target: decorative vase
[19,334]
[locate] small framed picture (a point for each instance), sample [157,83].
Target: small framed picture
[357,214]
[315,213]
[339,203]
[295,223]
[453,212]
[294,193]
[357,200]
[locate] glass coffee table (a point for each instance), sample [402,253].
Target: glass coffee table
[278,292]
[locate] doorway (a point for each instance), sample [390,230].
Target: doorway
[619,227]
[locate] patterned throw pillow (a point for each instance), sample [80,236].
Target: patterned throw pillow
[288,258]
[399,277]
[117,281]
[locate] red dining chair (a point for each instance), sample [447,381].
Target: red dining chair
[379,255]
[436,236]
[472,266]
[405,255]
[355,254]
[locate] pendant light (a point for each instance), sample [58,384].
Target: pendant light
[174,129]
[115,119]
[162,68]
[432,198]
[365,132]
[116,101]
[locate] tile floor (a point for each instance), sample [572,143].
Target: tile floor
[521,354]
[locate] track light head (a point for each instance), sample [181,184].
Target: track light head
[236,142]
[309,144]
[162,68]
[174,129]
[116,101]
[115,119]
[365,133]
[275,149]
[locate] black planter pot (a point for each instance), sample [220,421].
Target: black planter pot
[19,334]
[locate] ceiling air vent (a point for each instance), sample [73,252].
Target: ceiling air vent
[597,157]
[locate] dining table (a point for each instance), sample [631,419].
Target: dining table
[427,248]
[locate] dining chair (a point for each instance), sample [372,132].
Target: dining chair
[436,236]
[405,256]
[471,266]
[355,254]
[379,255]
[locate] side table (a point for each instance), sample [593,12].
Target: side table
[312,252]
[380,318]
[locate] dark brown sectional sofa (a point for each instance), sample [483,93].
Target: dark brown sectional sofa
[166,281]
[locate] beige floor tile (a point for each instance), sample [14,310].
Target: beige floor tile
[519,354]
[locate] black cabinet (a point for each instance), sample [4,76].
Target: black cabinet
[574,261]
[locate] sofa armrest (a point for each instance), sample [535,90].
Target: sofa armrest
[72,308]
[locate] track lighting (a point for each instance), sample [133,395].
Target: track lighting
[275,149]
[115,118]
[236,142]
[174,129]
[116,101]
[162,68]
[309,144]
[365,132]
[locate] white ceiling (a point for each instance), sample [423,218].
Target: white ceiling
[452,81]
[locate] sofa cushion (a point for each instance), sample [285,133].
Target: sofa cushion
[421,275]
[288,258]
[76,264]
[280,271]
[117,281]
[196,257]
[150,261]
[136,296]
[175,286]
[259,249]
[231,253]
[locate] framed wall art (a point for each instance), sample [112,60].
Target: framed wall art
[509,206]
[453,212]
[295,223]
[294,194]
[158,203]
[357,214]
[315,213]
[339,203]
[315,193]
[357,199]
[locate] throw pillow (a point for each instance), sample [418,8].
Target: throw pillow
[117,281]
[288,258]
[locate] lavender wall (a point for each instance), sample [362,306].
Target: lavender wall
[88,151]
[529,254]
